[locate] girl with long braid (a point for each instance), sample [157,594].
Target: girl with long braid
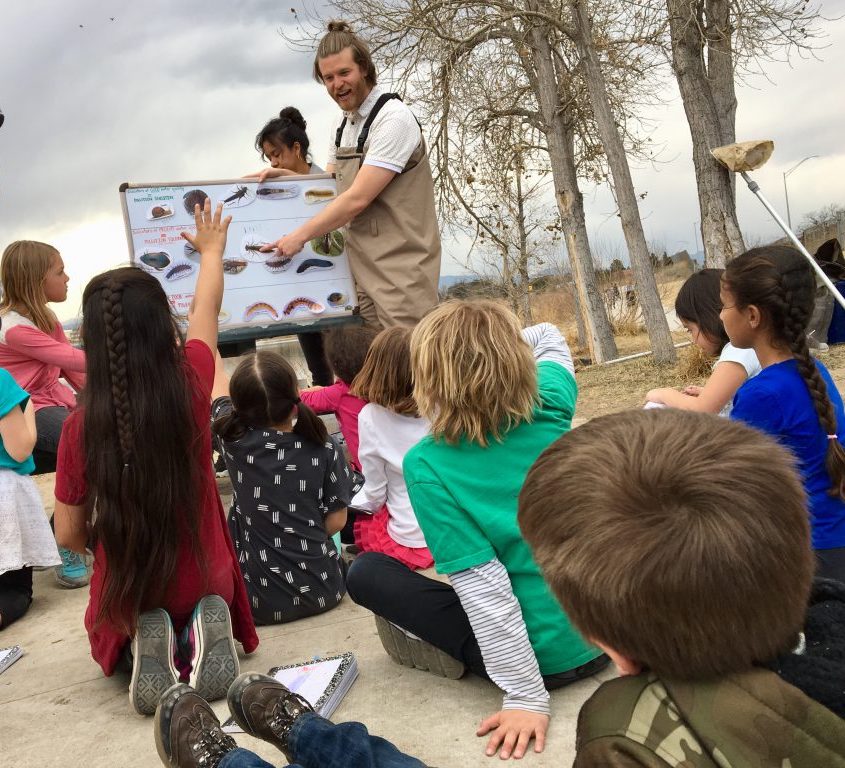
[767,298]
[134,481]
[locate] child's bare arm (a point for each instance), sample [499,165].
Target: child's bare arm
[719,390]
[220,387]
[17,429]
[210,241]
[335,521]
[71,524]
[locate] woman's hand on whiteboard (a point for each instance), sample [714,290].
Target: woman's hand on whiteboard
[289,245]
[211,229]
[270,173]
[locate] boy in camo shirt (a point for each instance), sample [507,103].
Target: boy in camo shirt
[683,551]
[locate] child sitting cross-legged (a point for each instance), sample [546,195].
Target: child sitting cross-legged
[291,488]
[679,543]
[495,397]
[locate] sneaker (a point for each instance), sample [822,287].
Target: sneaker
[72,573]
[211,648]
[187,732]
[411,651]
[153,670]
[265,708]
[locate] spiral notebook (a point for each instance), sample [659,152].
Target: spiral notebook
[9,656]
[322,683]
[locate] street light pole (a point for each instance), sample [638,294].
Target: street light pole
[786,191]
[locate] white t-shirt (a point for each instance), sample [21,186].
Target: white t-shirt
[385,437]
[747,358]
[394,134]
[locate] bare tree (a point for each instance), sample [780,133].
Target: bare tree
[711,41]
[652,309]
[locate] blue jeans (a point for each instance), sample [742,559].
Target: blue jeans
[317,743]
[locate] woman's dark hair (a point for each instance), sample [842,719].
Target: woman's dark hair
[141,441]
[698,302]
[779,281]
[346,349]
[264,393]
[287,129]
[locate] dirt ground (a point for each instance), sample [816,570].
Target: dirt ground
[606,389]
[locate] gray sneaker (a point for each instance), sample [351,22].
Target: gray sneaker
[410,651]
[153,665]
[187,732]
[211,648]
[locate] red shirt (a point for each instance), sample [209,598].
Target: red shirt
[189,584]
[337,400]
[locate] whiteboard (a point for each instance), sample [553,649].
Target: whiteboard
[260,289]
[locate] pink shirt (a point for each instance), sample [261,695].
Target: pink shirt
[337,400]
[36,360]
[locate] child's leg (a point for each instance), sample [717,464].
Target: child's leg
[424,607]
[317,743]
[243,758]
[15,595]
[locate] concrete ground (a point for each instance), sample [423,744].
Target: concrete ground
[57,709]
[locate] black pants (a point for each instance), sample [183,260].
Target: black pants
[831,563]
[432,611]
[15,595]
[315,356]
[48,422]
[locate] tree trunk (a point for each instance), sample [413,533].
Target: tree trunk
[561,145]
[653,314]
[524,288]
[710,105]
[720,69]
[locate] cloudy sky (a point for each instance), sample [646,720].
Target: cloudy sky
[98,92]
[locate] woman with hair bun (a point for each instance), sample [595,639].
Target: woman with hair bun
[284,143]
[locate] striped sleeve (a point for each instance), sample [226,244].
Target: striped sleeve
[548,344]
[495,616]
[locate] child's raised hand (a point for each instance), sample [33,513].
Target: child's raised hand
[513,729]
[211,230]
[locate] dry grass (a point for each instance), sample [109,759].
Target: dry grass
[604,389]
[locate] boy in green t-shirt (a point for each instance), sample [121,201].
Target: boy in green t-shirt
[496,397]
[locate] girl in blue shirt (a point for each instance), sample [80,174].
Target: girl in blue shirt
[767,298]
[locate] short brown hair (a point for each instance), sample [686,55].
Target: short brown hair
[385,378]
[23,267]
[474,375]
[678,539]
[339,35]
[346,349]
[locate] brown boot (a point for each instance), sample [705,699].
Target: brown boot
[265,708]
[187,732]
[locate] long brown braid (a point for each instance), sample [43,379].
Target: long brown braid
[145,452]
[780,282]
[116,346]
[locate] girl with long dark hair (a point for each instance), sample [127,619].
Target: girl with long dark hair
[767,300]
[134,478]
[697,306]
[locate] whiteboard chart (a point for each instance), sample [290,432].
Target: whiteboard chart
[260,289]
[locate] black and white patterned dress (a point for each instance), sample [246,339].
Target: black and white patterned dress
[284,486]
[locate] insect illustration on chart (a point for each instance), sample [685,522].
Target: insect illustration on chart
[239,196]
